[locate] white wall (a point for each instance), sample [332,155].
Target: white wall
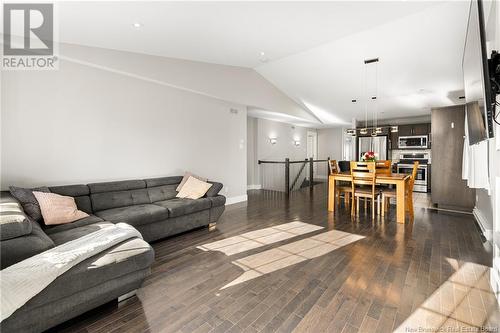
[330,141]
[236,84]
[84,124]
[284,147]
[266,175]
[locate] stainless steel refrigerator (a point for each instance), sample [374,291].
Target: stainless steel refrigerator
[377,144]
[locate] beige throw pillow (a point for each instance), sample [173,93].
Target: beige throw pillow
[193,189]
[58,209]
[185,178]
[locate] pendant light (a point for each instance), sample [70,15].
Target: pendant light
[364,130]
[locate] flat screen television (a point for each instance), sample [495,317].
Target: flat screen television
[476,77]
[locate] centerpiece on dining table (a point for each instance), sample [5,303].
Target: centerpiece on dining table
[369,156]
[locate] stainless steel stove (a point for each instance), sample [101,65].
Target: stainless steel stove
[405,165]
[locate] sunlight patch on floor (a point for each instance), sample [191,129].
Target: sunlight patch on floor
[258,238]
[290,254]
[463,303]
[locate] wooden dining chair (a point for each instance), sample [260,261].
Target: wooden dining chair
[363,174]
[388,193]
[341,188]
[384,167]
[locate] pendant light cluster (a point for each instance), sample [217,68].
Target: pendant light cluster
[375,129]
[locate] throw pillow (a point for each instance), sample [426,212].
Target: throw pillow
[185,178]
[28,201]
[58,209]
[193,189]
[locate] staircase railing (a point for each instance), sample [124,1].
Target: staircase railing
[298,176]
[276,175]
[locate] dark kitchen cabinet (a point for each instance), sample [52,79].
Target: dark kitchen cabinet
[414,129]
[405,130]
[421,129]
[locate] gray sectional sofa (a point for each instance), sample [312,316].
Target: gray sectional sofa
[149,205]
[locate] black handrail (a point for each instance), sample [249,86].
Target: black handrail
[283,162]
[287,163]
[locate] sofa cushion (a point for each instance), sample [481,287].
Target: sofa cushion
[135,215]
[123,185]
[214,189]
[28,200]
[65,236]
[217,201]
[58,209]
[79,223]
[153,182]
[13,221]
[186,177]
[179,207]
[160,193]
[193,188]
[79,192]
[108,200]
[16,249]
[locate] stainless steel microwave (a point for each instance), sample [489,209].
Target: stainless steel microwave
[412,142]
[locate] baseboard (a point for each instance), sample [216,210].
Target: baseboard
[254,187]
[481,220]
[239,198]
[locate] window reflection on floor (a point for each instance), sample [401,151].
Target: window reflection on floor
[462,304]
[258,238]
[280,257]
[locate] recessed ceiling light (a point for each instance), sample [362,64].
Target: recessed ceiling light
[262,57]
[137,25]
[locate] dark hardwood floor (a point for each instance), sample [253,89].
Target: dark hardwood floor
[431,273]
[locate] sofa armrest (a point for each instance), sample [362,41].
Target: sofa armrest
[16,249]
[214,189]
[13,221]
[217,201]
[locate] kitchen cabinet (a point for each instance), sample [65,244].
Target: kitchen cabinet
[414,129]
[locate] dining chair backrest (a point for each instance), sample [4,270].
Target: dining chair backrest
[411,182]
[333,167]
[363,173]
[344,166]
[384,167]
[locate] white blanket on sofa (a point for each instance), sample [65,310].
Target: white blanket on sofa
[24,280]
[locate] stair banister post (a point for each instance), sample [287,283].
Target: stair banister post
[311,172]
[287,175]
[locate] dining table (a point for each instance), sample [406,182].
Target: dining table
[400,180]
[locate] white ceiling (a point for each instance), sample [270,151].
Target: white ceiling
[229,33]
[419,68]
[314,50]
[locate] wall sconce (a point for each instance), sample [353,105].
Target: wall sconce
[273,141]
[296,143]
[394,129]
[363,131]
[378,130]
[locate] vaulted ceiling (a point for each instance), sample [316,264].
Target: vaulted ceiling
[312,51]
